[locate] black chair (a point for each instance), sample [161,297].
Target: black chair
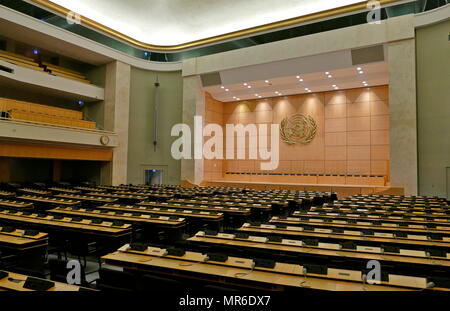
[153,283]
[116,281]
[59,271]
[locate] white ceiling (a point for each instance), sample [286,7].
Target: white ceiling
[173,22]
[343,78]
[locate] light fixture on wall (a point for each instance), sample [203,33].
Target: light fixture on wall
[301,80]
[245,84]
[249,86]
[222,87]
[267,81]
[226,90]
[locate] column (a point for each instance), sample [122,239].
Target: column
[116,119]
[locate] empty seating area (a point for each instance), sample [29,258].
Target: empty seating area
[36,113]
[134,238]
[30,63]
[20,60]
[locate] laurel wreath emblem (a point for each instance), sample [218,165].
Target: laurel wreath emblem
[298,129]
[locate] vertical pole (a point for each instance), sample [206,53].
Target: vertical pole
[155,115]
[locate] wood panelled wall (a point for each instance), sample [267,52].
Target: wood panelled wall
[352,136]
[43,151]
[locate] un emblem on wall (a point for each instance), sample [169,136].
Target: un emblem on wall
[298,129]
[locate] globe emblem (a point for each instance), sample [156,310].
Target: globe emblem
[298,129]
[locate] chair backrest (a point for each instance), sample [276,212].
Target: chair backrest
[59,271]
[113,280]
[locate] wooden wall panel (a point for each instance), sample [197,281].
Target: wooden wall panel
[42,151]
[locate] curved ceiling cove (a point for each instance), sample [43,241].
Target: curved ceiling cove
[176,25]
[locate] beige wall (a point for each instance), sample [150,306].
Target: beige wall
[433,104]
[352,136]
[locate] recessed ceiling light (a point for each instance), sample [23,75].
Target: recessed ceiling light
[222,87]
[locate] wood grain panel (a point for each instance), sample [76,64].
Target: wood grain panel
[42,151]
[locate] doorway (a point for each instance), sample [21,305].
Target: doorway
[153,177]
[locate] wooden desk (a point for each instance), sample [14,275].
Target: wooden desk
[119,196]
[342,236]
[276,247]
[219,203]
[88,189]
[49,201]
[373,217]
[284,276]
[64,190]
[17,241]
[34,192]
[16,204]
[164,210]
[239,211]
[86,226]
[379,211]
[128,217]
[88,198]
[8,284]
[6,195]
[361,225]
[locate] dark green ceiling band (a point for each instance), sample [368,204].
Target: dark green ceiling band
[317,27]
